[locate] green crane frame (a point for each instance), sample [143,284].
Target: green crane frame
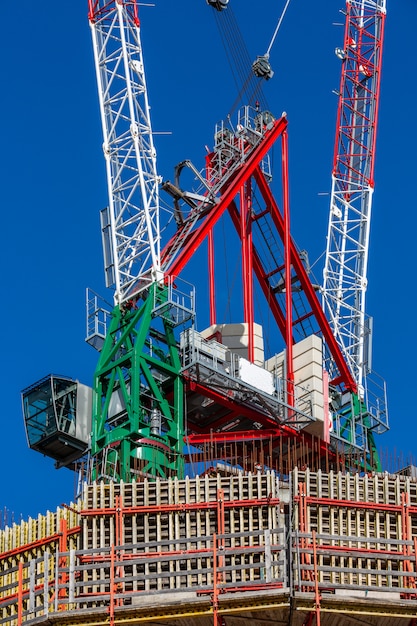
[138,399]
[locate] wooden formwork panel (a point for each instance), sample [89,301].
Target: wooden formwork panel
[176,509]
[374,488]
[173,491]
[28,561]
[183,521]
[33,530]
[361,528]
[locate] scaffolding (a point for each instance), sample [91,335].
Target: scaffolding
[324,548]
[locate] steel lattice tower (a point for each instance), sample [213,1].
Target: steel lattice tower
[345,272]
[131,223]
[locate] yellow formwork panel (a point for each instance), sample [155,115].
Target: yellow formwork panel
[28,563]
[32,530]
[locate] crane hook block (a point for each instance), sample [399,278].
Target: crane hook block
[219,5]
[262,68]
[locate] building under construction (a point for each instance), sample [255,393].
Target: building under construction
[319,547]
[220,483]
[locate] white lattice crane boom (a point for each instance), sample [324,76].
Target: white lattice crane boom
[131,232]
[345,272]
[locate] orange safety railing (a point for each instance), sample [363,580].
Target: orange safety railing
[121,575]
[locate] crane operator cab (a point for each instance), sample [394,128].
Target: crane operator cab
[219,5]
[57,416]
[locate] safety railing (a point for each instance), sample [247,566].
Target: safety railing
[130,575]
[334,536]
[287,401]
[355,566]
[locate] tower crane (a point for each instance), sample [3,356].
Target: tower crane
[135,427]
[345,271]
[131,422]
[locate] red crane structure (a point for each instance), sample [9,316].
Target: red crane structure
[236,172]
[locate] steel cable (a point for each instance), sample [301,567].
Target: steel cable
[249,87]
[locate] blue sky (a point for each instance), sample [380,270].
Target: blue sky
[53,185]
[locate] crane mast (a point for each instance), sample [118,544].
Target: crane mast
[136,429]
[345,272]
[130,224]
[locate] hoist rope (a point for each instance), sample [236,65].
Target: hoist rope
[277,28]
[247,84]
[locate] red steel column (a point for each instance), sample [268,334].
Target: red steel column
[247,262]
[287,260]
[212,295]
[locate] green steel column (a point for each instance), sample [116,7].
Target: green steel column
[138,423]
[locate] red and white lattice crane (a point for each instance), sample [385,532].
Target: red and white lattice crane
[345,271]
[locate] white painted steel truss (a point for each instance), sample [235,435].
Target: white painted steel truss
[345,272]
[131,233]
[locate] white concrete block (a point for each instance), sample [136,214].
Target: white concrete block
[236,338]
